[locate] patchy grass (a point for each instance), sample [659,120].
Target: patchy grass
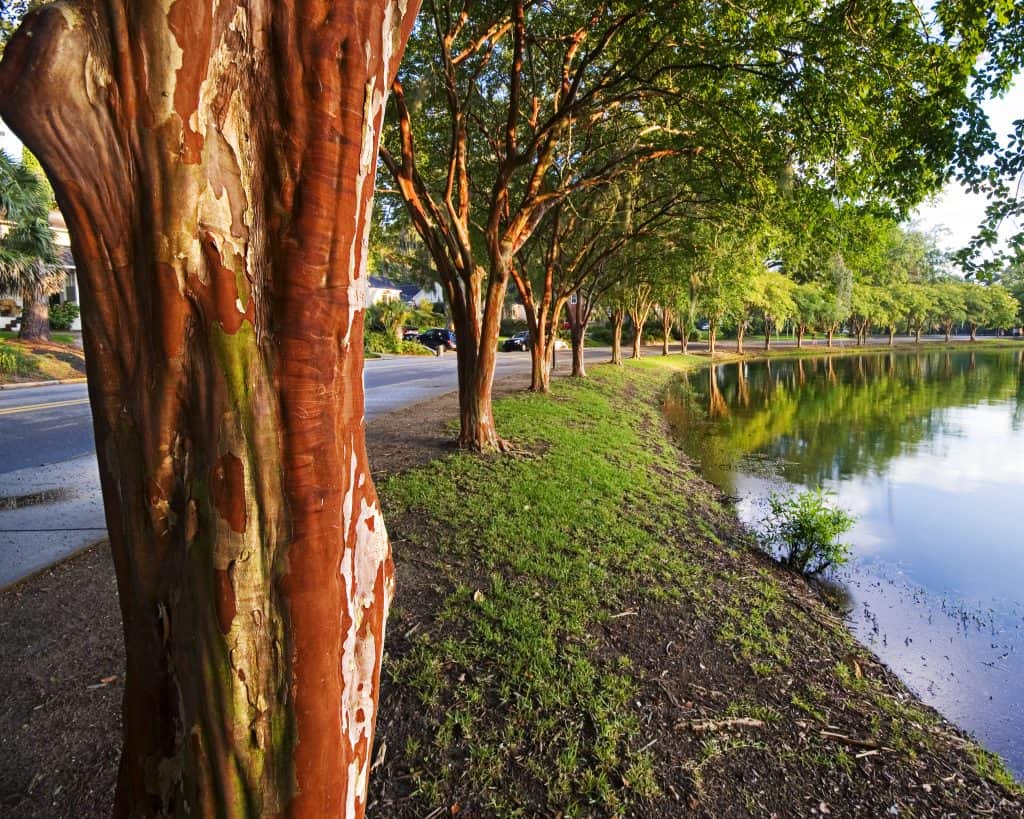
[567,611]
[551,542]
[40,360]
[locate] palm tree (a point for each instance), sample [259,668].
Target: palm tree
[28,255]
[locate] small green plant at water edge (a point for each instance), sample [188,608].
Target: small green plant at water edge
[806,528]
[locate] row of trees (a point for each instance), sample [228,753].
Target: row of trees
[532,143]
[774,300]
[215,164]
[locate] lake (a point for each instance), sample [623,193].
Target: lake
[927,450]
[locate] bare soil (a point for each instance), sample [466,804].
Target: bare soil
[61,666]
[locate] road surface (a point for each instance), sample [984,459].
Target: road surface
[48,458]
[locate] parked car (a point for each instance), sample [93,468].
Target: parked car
[517,343]
[437,337]
[410,334]
[521,341]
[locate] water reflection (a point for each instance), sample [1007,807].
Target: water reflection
[928,450]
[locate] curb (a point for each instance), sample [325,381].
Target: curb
[23,385]
[58,562]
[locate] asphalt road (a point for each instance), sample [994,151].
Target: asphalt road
[47,451]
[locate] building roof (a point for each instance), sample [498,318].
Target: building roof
[382,283]
[409,291]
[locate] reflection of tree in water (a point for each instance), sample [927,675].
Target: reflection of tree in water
[835,417]
[1018,410]
[717,405]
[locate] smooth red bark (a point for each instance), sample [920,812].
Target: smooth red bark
[215,164]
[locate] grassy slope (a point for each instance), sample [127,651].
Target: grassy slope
[569,619]
[39,361]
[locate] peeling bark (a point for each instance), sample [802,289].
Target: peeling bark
[215,164]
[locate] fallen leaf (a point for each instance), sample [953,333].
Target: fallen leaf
[478,596]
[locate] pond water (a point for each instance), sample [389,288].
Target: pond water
[927,450]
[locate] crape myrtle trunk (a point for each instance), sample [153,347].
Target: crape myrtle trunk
[618,319]
[476,337]
[215,163]
[578,335]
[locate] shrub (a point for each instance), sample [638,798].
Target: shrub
[805,528]
[62,316]
[387,317]
[602,334]
[509,327]
[377,342]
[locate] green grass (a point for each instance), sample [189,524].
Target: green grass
[558,539]
[992,767]
[56,338]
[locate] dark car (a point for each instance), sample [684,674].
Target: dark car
[438,338]
[518,342]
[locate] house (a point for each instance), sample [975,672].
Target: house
[430,293]
[381,289]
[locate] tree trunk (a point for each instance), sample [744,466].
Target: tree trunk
[540,366]
[475,346]
[618,318]
[666,330]
[741,330]
[712,337]
[829,334]
[917,336]
[638,333]
[215,164]
[578,333]
[540,372]
[892,336]
[767,337]
[35,317]
[949,329]
[800,330]
[974,332]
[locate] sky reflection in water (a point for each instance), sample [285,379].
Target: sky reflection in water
[928,451]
